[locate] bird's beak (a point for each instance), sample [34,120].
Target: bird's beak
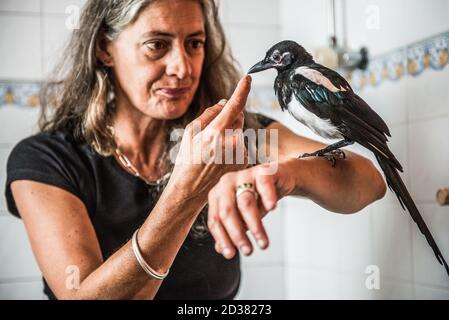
[260,66]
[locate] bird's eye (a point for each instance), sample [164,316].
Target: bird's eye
[276,57]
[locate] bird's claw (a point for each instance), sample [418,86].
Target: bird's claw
[340,154]
[306,155]
[332,156]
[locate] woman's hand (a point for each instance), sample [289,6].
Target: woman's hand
[201,158]
[230,216]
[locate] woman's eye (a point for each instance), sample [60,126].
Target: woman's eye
[197,44]
[155,45]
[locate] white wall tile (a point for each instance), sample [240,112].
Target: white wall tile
[310,284]
[393,290]
[353,244]
[249,45]
[32,290]
[310,234]
[391,105]
[274,254]
[3,160]
[255,12]
[432,16]
[429,155]
[317,283]
[431,293]
[55,36]
[392,241]
[17,123]
[305,22]
[15,250]
[390,34]
[317,237]
[261,283]
[418,20]
[60,6]
[223,11]
[20,55]
[427,269]
[21,6]
[324,284]
[429,98]
[387,35]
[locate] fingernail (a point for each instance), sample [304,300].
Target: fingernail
[262,243]
[227,252]
[246,250]
[223,102]
[248,78]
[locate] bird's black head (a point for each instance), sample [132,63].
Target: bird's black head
[283,55]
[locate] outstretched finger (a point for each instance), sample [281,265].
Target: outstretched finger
[234,106]
[209,115]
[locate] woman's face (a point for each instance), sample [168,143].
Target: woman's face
[157,61]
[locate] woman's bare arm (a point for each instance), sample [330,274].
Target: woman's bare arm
[63,240]
[346,188]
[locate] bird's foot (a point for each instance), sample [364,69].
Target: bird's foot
[332,156]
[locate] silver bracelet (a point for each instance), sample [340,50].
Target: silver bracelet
[142,261]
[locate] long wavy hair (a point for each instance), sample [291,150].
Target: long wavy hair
[78,95]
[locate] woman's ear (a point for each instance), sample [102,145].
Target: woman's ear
[102,50]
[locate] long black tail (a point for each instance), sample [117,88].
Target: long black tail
[395,182]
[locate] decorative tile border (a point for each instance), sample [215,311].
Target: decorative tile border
[22,94]
[432,53]
[26,94]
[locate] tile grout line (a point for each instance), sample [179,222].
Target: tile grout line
[253,25]
[30,14]
[284,257]
[284,251]
[348,273]
[41,32]
[410,182]
[20,279]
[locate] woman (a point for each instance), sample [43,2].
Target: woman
[99,170]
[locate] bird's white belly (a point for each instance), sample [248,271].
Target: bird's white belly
[323,128]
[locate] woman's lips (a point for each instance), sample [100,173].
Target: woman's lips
[173,93]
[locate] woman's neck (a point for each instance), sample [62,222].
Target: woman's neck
[142,139]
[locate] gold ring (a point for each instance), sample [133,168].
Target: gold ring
[246,187]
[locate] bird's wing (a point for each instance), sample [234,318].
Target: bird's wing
[325,79]
[328,95]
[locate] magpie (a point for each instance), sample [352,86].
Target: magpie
[323,100]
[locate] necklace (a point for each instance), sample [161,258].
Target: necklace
[128,165]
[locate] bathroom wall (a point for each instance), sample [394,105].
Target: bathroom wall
[332,256]
[31,32]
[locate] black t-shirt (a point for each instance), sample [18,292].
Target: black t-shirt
[118,203]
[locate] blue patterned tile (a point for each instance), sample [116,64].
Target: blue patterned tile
[409,60]
[19,93]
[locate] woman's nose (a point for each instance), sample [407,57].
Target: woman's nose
[179,64]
